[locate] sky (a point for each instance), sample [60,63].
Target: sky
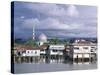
[54,20]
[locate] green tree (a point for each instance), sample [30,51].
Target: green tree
[54,41]
[18,41]
[66,42]
[31,42]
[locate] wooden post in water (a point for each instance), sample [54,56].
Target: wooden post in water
[77,59]
[83,58]
[89,57]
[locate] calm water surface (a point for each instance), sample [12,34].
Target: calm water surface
[33,68]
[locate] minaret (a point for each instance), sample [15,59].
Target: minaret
[33,32]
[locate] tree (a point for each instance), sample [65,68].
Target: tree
[66,42]
[18,41]
[54,41]
[31,42]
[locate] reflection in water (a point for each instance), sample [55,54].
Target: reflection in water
[51,59]
[50,64]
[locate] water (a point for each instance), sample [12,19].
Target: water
[34,68]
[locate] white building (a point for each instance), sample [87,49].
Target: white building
[43,49]
[56,53]
[56,49]
[43,53]
[27,51]
[83,50]
[32,52]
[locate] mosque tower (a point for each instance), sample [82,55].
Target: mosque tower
[33,32]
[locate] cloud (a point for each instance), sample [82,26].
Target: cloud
[48,9]
[72,11]
[52,23]
[22,17]
[67,33]
[49,23]
[55,27]
[64,20]
[54,9]
[29,23]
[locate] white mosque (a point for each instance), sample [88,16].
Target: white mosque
[42,38]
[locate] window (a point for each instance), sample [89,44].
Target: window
[42,50]
[92,50]
[23,51]
[54,50]
[28,51]
[92,47]
[60,50]
[35,52]
[85,47]
[76,47]
[19,53]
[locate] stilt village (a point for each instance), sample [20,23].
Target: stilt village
[80,51]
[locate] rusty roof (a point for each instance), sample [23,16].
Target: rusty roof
[25,47]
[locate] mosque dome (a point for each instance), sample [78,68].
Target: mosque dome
[43,37]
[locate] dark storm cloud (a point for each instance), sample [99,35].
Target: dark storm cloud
[55,20]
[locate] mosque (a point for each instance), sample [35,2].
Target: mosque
[42,38]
